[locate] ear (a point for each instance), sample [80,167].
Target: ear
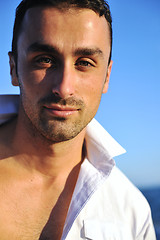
[13,72]
[105,87]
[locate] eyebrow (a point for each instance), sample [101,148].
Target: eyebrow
[86,51]
[38,47]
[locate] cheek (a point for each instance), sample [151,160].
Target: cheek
[32,83]
[91,90]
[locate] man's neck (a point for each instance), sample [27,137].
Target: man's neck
[40,155]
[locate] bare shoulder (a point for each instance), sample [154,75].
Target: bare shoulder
[6,137]
[6,155]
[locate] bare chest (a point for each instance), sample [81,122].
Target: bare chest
[32,208]
[26,217]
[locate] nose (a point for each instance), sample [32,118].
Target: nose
[65,82]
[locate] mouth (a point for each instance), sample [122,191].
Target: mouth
[61,111]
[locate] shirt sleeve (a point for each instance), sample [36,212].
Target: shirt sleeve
[148,231]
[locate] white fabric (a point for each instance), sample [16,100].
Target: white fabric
[105,205]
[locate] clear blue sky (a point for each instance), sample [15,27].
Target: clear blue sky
[130,111]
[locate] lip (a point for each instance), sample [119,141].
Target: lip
[61,111]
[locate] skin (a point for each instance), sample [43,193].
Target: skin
[62,73]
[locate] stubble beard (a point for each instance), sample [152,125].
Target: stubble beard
[60,130]
[55,130]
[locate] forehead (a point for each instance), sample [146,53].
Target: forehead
[68,26]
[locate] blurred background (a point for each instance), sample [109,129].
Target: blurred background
[130,111]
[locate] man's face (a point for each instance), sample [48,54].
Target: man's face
[62,69]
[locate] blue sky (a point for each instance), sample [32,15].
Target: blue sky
[130,111]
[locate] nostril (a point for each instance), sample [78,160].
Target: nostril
[56,94]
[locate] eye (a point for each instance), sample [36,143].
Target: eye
[84,64]
[45,62]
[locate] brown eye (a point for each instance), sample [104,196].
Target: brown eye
[45,62]
[84,64]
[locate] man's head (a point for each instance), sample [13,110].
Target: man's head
[99,6]
[63,67]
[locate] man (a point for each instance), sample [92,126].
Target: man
[58,179]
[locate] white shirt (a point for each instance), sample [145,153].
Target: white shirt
[105,205]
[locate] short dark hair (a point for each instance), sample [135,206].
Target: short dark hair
[101,7]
